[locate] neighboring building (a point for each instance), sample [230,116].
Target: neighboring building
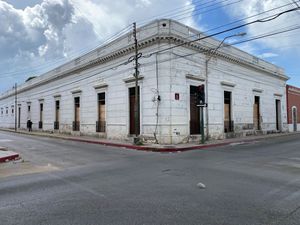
[293,107]
[94,94]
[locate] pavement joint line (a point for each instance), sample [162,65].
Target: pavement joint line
[171,149]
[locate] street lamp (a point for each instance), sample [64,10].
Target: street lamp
[211,54]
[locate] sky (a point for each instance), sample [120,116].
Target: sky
[39,35]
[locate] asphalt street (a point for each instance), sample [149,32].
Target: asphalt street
[66,182]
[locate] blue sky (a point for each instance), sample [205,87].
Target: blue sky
[38,35]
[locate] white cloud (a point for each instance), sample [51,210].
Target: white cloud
[109,16]
[268,55]
[34,39]
[285,21]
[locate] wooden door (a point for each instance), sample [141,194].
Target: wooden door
[132,112]
[57,108]
[194,112]
[41,111]
[228,126]
[278,114]
[256,114]
[77,109]
[101,107]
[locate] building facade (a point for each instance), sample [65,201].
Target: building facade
[293,108]
[95,93]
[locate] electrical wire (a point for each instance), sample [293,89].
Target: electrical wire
[261,20]
[153,62]
[42,67]
[267,19]
[63,59]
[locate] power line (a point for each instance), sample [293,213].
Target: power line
[124,30]
[112,38]
[109,39]
[194,9]
[151,63]
[176,10]
[267,19]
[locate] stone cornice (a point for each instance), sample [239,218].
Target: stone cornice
[293,90]
[227,84]
[257,90]
[132,79]
[194,77]
[76,92]
[100,85]
[278,95]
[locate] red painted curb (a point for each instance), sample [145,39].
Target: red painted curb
[147,148]
[9,158]
[152,149]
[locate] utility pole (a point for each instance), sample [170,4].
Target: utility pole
[136,76]
[201,103]
[16,99]
[211,54]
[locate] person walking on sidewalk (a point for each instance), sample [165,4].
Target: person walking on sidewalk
[29,125]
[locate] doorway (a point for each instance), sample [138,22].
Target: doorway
[19,117]
[256,113]
[228,123]
[41,116]
[194,111]
[132,111]
[57,114]
[100,124]
[278,114]
[294,118]
[76,123]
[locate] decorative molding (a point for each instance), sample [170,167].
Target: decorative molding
[293,90]
[77,91]
[194,77]
[101,85]
[132,79]
[257,90]
[57,96]
[228,84]
[277,95]
[41,100]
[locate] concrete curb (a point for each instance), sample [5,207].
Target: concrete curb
[151,148]
[10,157]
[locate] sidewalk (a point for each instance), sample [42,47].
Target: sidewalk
[152,147]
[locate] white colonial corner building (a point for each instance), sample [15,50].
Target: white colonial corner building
[94,94]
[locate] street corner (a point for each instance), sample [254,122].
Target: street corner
[6,155]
